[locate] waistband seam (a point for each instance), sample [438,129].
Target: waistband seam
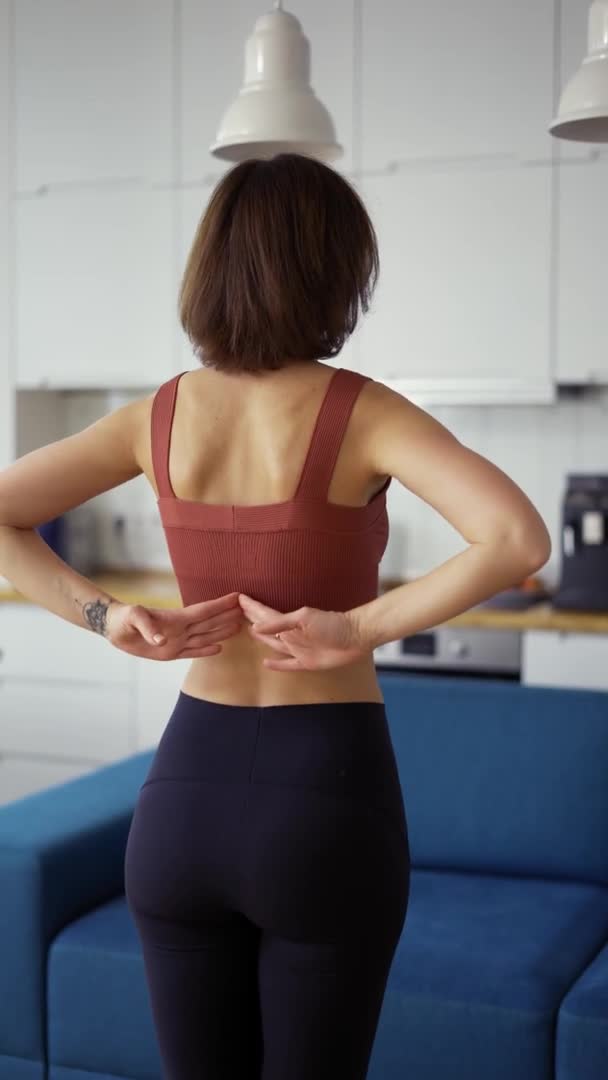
[259,709]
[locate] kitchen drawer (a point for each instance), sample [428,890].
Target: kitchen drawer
[35,643]
[563,659]
[63,720]
[22,776]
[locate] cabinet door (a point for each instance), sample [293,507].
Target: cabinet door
[213,37]
[93,91]
[572,660]
[65,721]
[95,289]
[157,687]
[582,353]
[35,644]
[21,776]
[463,293]
[456,80]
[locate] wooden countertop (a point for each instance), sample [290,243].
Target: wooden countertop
[158,588]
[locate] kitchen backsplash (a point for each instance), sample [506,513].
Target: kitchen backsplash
[536,445]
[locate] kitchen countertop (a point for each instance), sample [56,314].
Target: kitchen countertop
[158,588]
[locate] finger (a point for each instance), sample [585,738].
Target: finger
[147,626]
[275,626]
[174,627]
[207,608]
[200,640]
[208,650]
[218,625]
[271,641]
[255,609]
[204,609]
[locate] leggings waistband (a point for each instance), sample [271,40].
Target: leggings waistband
[340,747]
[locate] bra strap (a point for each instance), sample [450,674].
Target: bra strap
[328,432]
[161,419]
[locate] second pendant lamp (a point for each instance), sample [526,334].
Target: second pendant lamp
[276,110]
[583,108]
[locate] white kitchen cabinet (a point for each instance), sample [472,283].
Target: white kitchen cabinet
[96,289]
[582,353]
[212,43]
[456,80]
[7,408]
[156,691]
[94,92]
[65,720]
[66,700]
[21,776]
[553,658]
[36,644]
[461,310]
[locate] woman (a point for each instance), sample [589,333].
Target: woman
[267,866]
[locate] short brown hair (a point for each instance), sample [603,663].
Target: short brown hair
[283,260]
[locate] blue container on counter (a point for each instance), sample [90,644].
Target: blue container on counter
[55,535]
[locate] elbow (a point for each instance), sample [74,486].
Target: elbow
[540,553]
[532,550]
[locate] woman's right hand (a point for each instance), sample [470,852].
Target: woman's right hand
[308,639]
[188,632]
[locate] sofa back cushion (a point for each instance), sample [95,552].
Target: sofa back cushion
[502,777]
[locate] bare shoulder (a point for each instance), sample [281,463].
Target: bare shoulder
[138,420]
[377,398]
[138,413]
[396,429]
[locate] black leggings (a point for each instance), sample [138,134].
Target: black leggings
[267,870]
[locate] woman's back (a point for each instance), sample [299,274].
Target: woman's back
[218,443]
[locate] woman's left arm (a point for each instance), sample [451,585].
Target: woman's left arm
[49,481]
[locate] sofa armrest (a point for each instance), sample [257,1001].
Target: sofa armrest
[61,854]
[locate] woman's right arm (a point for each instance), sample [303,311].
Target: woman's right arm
[507,538]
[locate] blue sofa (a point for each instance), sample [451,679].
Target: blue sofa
[502,967]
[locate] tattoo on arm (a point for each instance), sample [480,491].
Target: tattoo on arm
[94,613]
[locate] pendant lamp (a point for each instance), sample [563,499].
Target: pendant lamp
[583,108]
[276,110]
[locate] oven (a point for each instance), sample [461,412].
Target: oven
[456,650]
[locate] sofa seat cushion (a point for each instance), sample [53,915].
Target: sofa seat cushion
[582,1025]
[478,977]
[99,1017]
[479,974]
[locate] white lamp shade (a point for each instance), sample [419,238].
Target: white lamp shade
[277,109]
[583,108]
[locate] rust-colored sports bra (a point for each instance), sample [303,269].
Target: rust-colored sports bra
[304,551]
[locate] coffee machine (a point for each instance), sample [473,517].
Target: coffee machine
[584,546]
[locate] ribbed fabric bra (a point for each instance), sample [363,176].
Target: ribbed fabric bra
[303,551]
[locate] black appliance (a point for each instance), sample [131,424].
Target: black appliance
[584,544]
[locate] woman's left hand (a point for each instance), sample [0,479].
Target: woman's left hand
[308,639]
[172,633]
